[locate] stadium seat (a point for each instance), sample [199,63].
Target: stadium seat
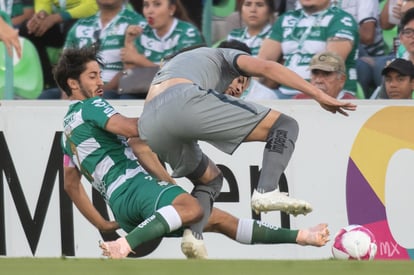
[27,75]
[53,54]
[389,36]
[359,92]
[224,8]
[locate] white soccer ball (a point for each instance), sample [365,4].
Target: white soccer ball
[354,242]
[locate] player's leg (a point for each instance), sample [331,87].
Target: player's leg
[280,133]
[207,180]
[226,122]
[134,211]
[249,231]
[175,142]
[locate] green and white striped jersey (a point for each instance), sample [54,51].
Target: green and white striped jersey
[181,35]
[302,36]
[102,157]
[110,39]
[253,42]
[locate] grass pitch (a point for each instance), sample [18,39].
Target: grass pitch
[69,266]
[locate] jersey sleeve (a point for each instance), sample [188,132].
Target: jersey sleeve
[45,5]
[367,11]
[343,25]
[98,111]
[73,10]
[276,32]
[83,9]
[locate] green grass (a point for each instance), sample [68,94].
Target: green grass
[42,266]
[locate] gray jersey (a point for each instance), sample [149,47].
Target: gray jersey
[209,68]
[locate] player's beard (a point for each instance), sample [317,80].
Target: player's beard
[85,92]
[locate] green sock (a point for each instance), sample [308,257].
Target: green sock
[264,233]
[153,227]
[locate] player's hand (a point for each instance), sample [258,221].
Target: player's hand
[396,10]
[335,106]
[34,22]
[131,33]
[47,23]
[340,108]
[131,56]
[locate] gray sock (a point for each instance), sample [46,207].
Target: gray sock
[277,153]
[205,194]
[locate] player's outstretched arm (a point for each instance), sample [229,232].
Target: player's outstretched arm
[279,73]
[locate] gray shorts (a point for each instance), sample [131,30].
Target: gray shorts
[174,121]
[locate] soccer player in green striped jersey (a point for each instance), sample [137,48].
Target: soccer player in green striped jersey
[102,145]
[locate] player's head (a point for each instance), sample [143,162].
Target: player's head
[235,44]
[78,73]
[257,13]
[399,79]
[241,82]
[237,87]
[328,72]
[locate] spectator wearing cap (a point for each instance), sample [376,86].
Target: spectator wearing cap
[399,79]
[328,73]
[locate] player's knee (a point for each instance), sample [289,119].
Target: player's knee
[213,187]
[285,126]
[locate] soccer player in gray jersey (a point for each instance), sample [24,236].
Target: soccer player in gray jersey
[186,103]
[95,146]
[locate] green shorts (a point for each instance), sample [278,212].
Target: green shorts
[139,198]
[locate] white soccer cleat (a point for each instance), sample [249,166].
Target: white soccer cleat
[191,247]
[278,201]
[115,249]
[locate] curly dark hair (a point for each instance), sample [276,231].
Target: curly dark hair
[71,64]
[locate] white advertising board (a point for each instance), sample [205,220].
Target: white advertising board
[355,169]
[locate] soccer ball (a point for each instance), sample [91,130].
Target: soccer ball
[354,242]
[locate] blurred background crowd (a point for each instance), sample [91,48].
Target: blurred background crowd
[352,49]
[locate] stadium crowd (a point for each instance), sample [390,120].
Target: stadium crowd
[133,37]
[365,34]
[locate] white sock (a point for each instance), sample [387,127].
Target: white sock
[245,231]
[171,216]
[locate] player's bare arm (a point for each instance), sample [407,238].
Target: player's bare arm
[123,126]
[80,198]
[149,160]
[341,46]
[277,72]
[270,50]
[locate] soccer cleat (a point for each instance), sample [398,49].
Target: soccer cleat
[115,249]
[315,236]
[191,247]
[278,201]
